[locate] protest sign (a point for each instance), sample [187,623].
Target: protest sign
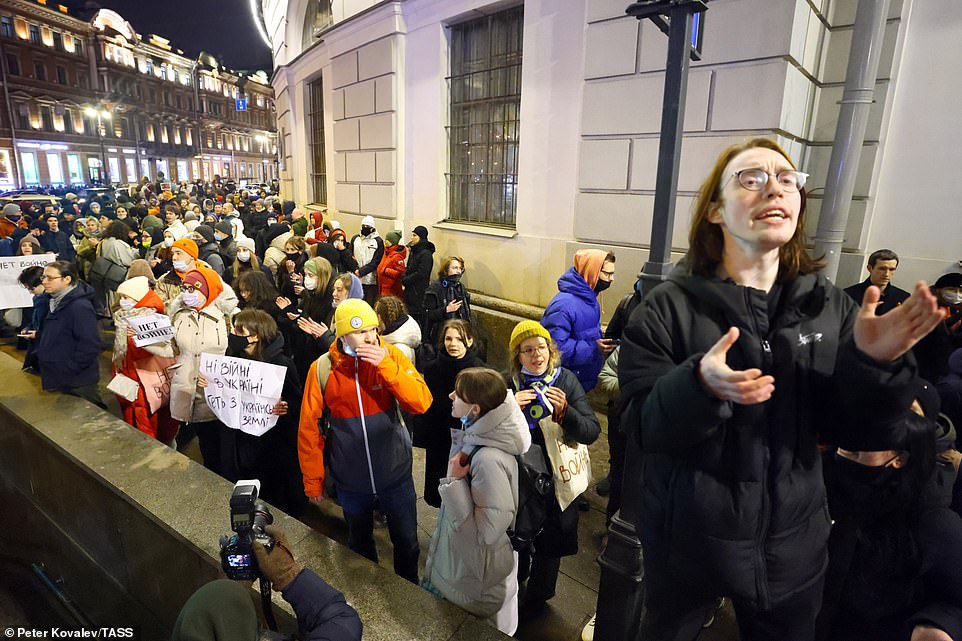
[155,374]
[242,393]
[12,294]
[150,329]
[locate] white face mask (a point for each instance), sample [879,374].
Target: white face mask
[952,298]
[168,242]
[219,236]
[180,265]
[310,283]
[126,304]
[243,256]
[191,299]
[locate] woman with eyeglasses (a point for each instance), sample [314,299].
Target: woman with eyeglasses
[732,372]
[543,389]
[199,327]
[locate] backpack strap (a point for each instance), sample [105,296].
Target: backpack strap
[323,371]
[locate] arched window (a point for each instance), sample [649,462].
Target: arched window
[318,16]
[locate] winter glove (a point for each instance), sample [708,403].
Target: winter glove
[277,565]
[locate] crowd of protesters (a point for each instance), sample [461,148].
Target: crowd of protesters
[751,403]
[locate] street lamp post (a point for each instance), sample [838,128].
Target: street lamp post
[101,115]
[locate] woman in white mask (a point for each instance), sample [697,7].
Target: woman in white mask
[246,260]
[199,327]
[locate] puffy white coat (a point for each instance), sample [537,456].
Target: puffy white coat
[406,338]
[195,332]
[470,556]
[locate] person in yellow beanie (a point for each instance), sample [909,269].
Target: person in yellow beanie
[543,388]
[350,439]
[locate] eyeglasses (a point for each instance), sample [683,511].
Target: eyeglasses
[531,351]
[46,278]
[755,179]
[189,289]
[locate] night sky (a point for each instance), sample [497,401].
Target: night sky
[224,28]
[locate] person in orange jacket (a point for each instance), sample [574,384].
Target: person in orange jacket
[350,436]
[391,267]
[136,298]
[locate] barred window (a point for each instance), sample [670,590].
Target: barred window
[315,117]
[485,89]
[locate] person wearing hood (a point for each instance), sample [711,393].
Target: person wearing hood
[12,221]
[57,241]
[87,248]
[573,317]
[151,246]
[29,246]
[299,222]
[271,244]
[184,256]
[68,340]
[731,372]
[207,247]
[470,559]
[246,260]
[135,298]
[417,274]
[226,245]
[446,298]
[368,251]
[895,546]
[255,221]
[317,233]
[391,268]
[199,327]
[432,431]
[357,385]
[933,351]
[338,252]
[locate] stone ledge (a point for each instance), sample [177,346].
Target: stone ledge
[132,526]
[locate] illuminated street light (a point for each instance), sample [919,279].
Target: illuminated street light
[101,115]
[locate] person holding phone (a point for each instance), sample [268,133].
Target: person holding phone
[573,317]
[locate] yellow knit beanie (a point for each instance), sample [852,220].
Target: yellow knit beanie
[352,315]
[524,330]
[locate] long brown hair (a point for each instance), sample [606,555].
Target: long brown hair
[706,243]
[257,323]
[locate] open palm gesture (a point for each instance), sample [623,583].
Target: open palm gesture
[887,337]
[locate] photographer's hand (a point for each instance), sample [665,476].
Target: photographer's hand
[278,565]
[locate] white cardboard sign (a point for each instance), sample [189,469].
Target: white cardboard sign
[150,329]
[12,293]
[242,393]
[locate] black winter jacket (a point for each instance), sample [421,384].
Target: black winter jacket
[417,275]
[732,495]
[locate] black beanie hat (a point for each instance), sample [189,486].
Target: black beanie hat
[224,227]
[206,231]
[421,231]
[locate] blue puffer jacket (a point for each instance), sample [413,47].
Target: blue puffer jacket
[573,318]
[68,342]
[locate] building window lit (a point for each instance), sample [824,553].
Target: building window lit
[68,42]
[176,135]
[188,136]
[318,153]
[46,36]
[485,86]
[150,133]
[164,137]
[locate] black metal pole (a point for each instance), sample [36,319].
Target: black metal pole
[621,590]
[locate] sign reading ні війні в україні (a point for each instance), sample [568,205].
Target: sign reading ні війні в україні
[242,393]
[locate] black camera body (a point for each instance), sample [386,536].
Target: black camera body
[248,517]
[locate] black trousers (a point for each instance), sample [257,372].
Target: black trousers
[675,609]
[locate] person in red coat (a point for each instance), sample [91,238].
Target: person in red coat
[391,267]
[136,298]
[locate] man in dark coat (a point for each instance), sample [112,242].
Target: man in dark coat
[417,276]
[68,341]
[881,266]
[57,241]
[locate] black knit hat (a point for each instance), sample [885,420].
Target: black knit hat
[206,231]
[421,231]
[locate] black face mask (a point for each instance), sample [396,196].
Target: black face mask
[452,279]
[293,256]
[365,230]
[871,489]
[237,344]
[602,285]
